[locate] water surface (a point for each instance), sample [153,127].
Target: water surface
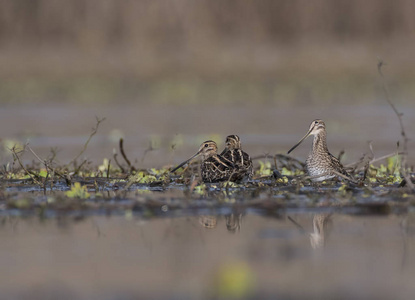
[238,254]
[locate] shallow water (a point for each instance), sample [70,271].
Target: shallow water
[240,255]
[264,129]
[163,242]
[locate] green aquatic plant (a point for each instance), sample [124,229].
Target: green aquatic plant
[283,179]
[296,172]
[43,173]
[78,191]
[141,177]
[264,168]
[388,174]
[21,175]
[200,189]
[235,280]
[161,174]
[343,190]
[230,184]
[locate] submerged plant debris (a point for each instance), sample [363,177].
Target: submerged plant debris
[280,183]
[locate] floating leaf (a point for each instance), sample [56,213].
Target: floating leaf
[78,191]
[43,173]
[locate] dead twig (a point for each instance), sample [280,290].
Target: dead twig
[16,157]
[108,169]
[48,166]
[374,160]
[130,166]
[79,167]
[118,164]
[385,88]
[94,131]
[340,156]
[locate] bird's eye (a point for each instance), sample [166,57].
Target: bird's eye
[206,145]
[316,122]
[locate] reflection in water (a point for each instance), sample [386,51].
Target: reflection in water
[134,258]
[407,230]
[208,221]
[322,225]
[233,222]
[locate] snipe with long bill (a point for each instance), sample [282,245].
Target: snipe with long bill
[321,165]
[242,161]
[214,167]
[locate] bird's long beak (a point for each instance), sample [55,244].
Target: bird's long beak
[185,162]
[296,145]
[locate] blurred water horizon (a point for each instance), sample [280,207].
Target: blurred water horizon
[163,71]
[184,52]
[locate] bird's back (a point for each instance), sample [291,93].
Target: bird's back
[216,169]
[242,162]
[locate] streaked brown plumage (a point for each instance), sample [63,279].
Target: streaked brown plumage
[208,221]
[214,167]
[320,161]
[240,159]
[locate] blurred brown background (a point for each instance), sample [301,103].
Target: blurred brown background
[204,69]
[188,51]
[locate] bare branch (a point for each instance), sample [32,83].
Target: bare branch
[118,164]
[403,134]
[94,131]
[130,166]
[16,156]
[48,166]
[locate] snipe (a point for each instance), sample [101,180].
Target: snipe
[240,159]
[214,167]
[320,161]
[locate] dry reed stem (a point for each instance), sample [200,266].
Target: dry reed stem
[403,134]
[94,131]
[16,156]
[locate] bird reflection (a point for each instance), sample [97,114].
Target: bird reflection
[208,221]
[233,222]
[322,225]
